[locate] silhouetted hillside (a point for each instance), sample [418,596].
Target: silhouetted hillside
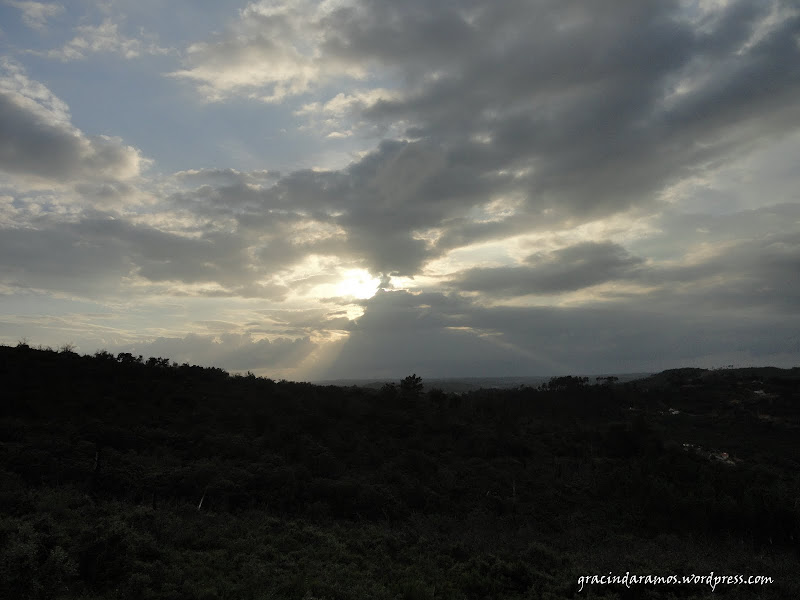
[472,384]
[125,477]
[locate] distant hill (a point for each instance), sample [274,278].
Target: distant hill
[468,384]
[685,376]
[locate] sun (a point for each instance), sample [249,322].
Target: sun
[357,283]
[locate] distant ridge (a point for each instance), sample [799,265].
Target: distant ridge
[468,384]
[689,375]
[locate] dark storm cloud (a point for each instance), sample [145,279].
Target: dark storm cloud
[584,96]
[95,254]
[379,202]
[246,231]
[401,310]
[680,231]
[632,336]
[448,335]
[426,333]
[760,273]
[574,111]
[399,190]
[571,268]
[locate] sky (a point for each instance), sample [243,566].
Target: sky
[368,188]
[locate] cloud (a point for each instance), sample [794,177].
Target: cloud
[374,211]
[227,177]
[749,274]
[572,268]
[426,333]
[449,335]
[340,116]
[565,113]
[233,351]
[37,138]
[36,14]
[104,38]
[103,254]
[560,186]
[271,52]
[60,261]
[595,111]
[752,275]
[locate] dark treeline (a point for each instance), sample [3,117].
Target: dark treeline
[125,477]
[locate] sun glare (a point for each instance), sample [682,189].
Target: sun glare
[358,283]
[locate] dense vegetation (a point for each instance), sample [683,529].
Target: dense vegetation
[131,478]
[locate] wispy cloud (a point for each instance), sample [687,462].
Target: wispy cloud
[104,38]
[273,51]
[36,14]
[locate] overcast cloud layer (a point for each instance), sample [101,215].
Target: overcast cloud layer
[536,188]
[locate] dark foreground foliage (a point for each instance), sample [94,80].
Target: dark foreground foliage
[130,478]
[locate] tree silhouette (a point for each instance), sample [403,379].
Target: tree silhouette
[411,386]
[568,382]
